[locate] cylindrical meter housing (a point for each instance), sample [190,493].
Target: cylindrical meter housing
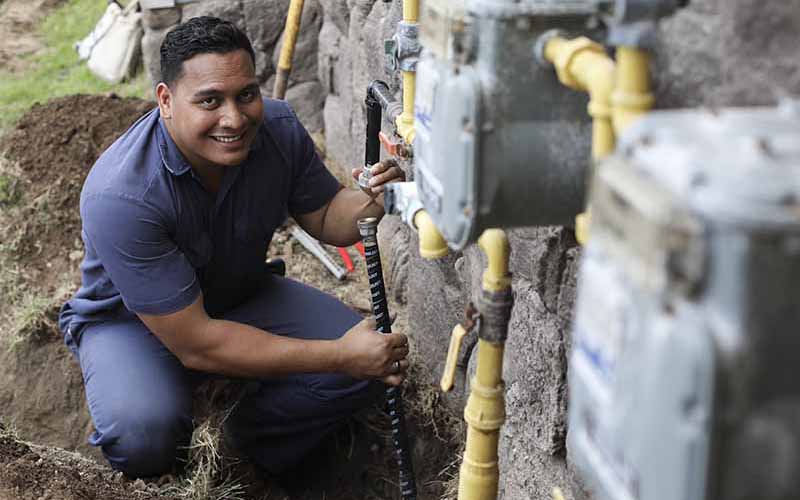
[499,141]
[684,374]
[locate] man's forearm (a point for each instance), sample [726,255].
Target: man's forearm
[339,224]
[239,350]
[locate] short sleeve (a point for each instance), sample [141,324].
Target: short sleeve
[134,247]
[313,185]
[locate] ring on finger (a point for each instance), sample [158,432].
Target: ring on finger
[396,367]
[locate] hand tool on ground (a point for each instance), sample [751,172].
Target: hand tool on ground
[318,251]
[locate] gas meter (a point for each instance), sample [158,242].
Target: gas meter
[684,374]
[498,140]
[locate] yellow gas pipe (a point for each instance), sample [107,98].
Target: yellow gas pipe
[405,122]
[287,49]
[583,65]
[619,93]
[485,409]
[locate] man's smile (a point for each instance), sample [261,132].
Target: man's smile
[228,138]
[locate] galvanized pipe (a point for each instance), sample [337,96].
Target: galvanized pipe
[368,228]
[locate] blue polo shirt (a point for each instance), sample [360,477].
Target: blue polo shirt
[155,238]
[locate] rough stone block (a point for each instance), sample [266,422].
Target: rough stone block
[224,9]
[338,138]
[394,237]
[686,66]
[264,22]
[338,13]
[307,100]
[151,56]
[159,19]
[332,74]
[304,62]
[760,41]
[435,303]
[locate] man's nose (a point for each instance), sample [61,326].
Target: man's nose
[232,117]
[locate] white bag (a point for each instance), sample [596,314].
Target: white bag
[113,45]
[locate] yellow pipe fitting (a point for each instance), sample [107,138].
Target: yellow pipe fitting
[582,223]
[485,415]
[583,65]
[291,31]
[485,410]
[632,95]
[494,243]
[405,122]
[431,242]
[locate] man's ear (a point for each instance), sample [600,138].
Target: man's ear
[164,97]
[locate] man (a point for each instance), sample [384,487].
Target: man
[177,216]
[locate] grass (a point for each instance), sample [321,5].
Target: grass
[206,478]
[57,71]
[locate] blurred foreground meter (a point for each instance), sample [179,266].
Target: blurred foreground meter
[499,142]
[685,366]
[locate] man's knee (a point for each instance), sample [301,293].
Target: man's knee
[345,390]
[147,442]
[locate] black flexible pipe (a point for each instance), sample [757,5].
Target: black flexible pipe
[368,228]
[372,149]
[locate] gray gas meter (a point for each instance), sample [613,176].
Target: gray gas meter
[684,374]
[499,141]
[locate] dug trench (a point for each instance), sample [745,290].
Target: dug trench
[44,420]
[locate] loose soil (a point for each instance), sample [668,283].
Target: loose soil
[19,37]
[43,162]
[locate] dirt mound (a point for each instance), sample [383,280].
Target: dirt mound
[43,162]
[31,472]
[52,148]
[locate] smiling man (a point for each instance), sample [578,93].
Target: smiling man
[177,216]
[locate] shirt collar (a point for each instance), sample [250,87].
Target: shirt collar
[171,156]
[173,159]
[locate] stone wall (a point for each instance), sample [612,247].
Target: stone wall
[713,53]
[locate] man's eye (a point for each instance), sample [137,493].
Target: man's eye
[248,95]
[209,102]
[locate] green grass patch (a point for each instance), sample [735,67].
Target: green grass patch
[57,71]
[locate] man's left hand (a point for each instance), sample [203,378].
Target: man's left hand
[383,173]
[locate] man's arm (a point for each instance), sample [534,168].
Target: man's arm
[335,222]
[235,349]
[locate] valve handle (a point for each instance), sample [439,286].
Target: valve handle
[469,324]
[456,339]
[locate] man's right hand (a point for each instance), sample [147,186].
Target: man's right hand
[366,353]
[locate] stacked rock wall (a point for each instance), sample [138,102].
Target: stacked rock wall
[713,53]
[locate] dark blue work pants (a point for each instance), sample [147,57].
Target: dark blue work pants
[140,396]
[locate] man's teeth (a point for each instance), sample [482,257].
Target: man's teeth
[227,138]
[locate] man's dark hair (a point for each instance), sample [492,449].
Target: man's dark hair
[200,35]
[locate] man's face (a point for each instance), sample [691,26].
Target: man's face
[213,110]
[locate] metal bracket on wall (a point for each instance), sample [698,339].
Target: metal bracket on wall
[401,52]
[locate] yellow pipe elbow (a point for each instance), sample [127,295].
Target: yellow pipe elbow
[431,242]
[583,65]
[494,244]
